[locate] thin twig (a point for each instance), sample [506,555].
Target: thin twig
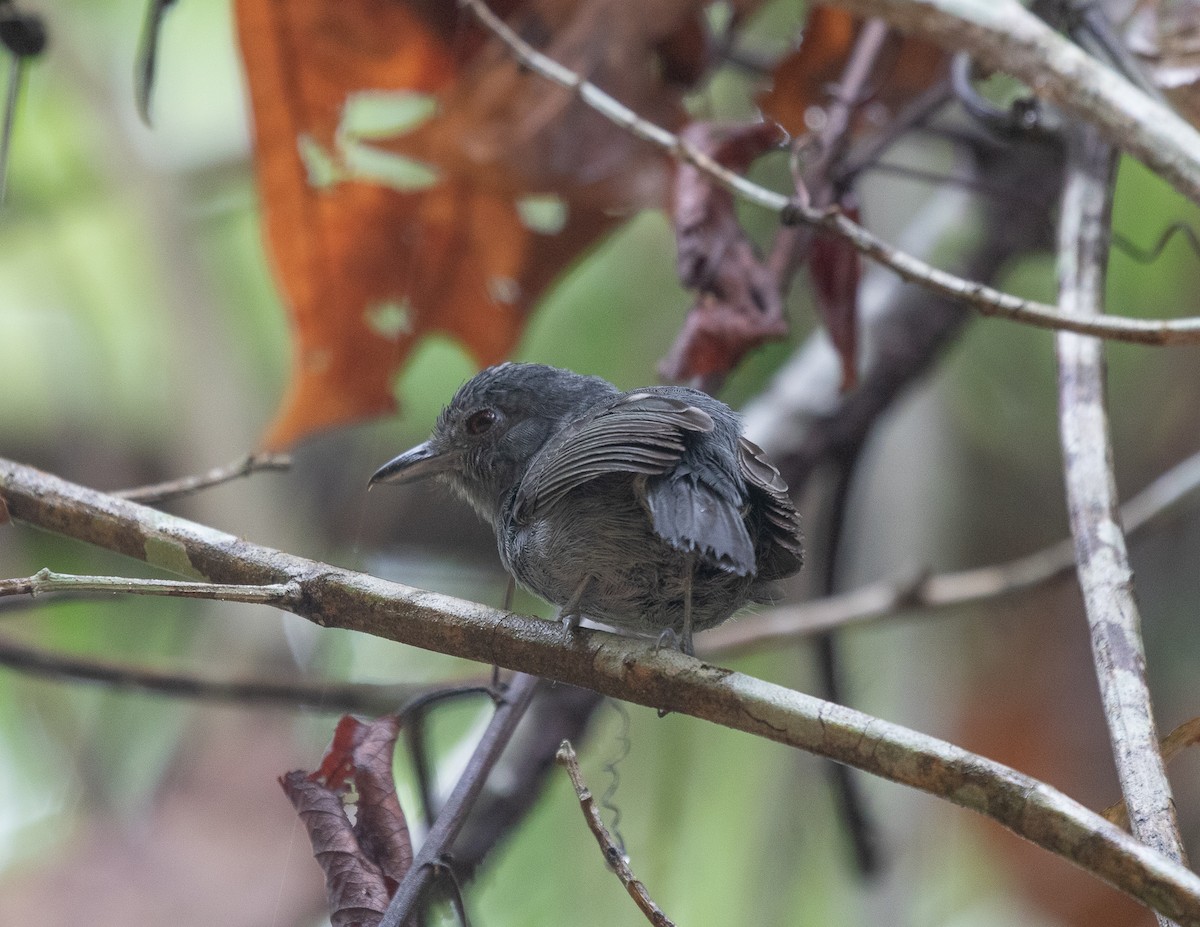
[453,814]
[173,489]
[917,111]
[624,668]
[608,846]
[1185,735]
[985,299]
[320,695]
[1105,575]
[279,595]
[924,592]
[818,182]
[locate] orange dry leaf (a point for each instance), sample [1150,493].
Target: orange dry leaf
[803,78]
[414,178]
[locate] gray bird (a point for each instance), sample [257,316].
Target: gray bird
[644,510]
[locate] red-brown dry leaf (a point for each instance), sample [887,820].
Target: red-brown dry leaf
[354,885]
[337,766]
[739,304]
[381,827]
[368,267]
[836,270]
[803,78]
[365,861]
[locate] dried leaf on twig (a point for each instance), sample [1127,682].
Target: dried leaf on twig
[836,269]
[364,861]
[738,303]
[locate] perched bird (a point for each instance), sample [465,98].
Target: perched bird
[644,510]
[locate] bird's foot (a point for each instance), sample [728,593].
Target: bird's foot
[672,641]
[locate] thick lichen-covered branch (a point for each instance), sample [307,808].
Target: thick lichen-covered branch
[618,666]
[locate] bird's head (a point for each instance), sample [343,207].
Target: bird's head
[496,423]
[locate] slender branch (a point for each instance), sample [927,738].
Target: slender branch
[922,591]
[917,111]
[1185,735]
[991,302]
[621,667]
[984,299]
[453,814]
[1105,575]
[819,182]
[320,695]
[279,595]
[613,856]
[173,489]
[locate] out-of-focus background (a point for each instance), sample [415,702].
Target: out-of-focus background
[142,337]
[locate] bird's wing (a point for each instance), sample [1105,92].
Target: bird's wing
[641,432]
[781,525]
[693,516]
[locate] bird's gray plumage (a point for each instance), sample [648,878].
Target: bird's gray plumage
[613,505]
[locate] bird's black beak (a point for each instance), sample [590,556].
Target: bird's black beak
[422,461]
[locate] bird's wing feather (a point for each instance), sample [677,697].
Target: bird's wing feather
[784,554]
[691,516]
[639,433]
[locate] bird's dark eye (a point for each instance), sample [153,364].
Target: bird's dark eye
[481,421]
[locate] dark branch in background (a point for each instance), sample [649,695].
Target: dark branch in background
[23,36]
[864,155]
[618,666]
[860,827]
[317,695]
[1105,575]
[559,712]
[614,858]
[147,56]
[453,814]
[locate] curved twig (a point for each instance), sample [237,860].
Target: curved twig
[173,489]
[613,857]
